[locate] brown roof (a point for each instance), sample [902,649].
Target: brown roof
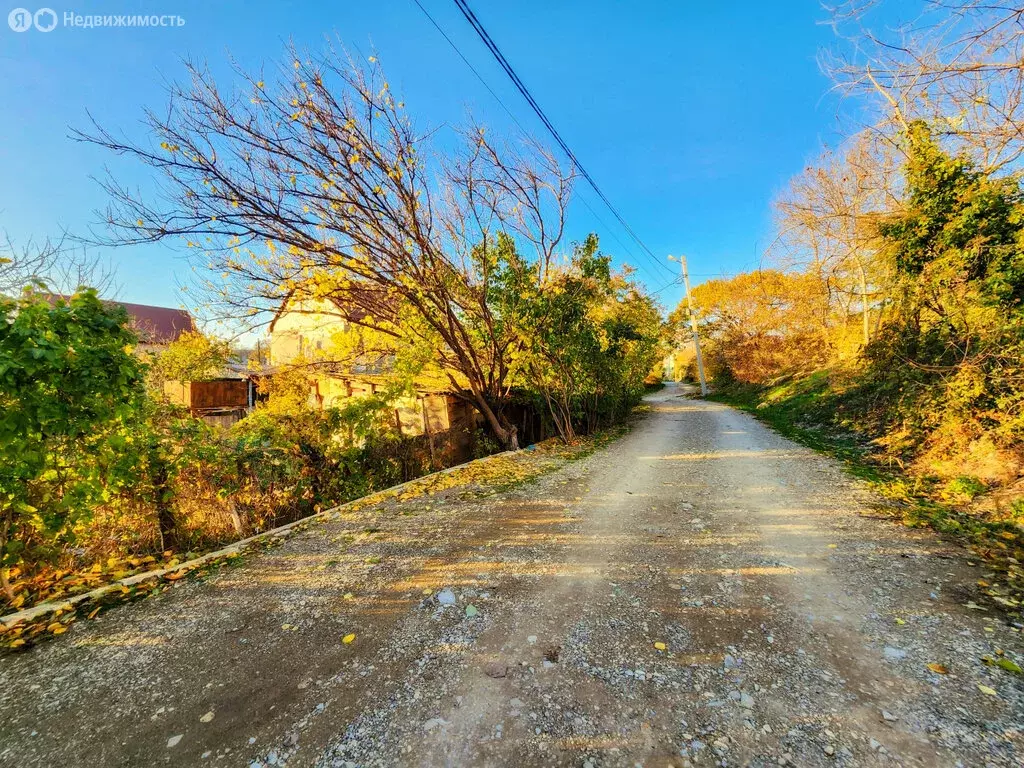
[158,325]
[155,325]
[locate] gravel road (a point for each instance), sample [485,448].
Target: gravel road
[700,592]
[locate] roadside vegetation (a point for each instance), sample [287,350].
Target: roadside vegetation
[888,327]
[449,265]
[147,576]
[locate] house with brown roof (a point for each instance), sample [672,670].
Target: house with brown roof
[157,326]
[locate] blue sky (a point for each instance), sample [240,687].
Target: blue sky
[690,115]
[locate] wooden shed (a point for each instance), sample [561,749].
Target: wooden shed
[219,401]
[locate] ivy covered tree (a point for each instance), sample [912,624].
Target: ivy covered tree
[950,356]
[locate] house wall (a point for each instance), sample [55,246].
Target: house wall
[302,329]
[179,392]
[415,415]
[445,423]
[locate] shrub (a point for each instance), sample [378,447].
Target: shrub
[69,385]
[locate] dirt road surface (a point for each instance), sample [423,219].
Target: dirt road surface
[700,592]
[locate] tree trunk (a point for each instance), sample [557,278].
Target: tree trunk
[563,427]
[164,510]
[865,311]
[427,431]
[6,584]
[236,519]
[506,435]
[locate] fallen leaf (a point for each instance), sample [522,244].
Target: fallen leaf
[899,621]
[207,717]
[1009,666]
[347,639]
[659,646]
[938,669]
[987,691]
[833,546]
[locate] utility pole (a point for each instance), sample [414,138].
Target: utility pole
[693,323]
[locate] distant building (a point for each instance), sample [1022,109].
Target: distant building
[223,399]
[157,326]
[302,328]
[305,329]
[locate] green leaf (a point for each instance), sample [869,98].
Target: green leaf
[1009,666]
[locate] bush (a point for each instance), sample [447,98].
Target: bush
[69,386]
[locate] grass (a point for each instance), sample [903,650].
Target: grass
[804,410]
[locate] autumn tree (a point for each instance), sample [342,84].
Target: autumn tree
[193,356]
[319,186]
[760,324]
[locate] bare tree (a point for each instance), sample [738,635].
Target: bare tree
[319,187]
[56,265]
[827,223]
[959,65]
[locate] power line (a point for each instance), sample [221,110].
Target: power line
[669,284]
[524,91]
[468,64]
[521,127]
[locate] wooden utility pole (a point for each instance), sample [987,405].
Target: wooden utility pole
[693,323]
